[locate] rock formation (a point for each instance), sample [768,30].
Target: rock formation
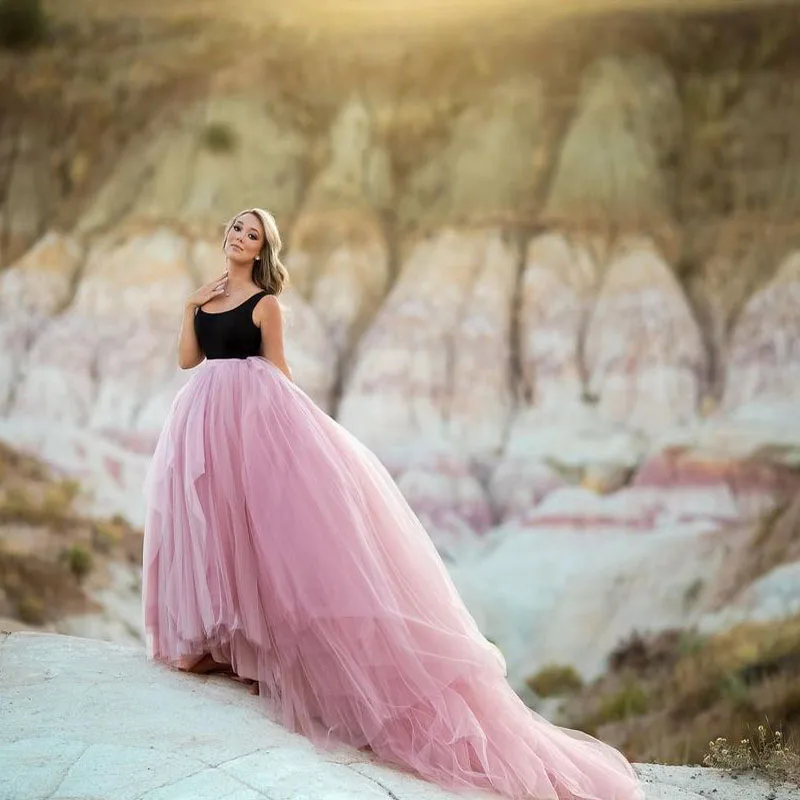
[62,735]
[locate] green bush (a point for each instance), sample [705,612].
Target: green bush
[629,701]
[218,137]
[22,23]
[79,560]
[30,610]
[555,679]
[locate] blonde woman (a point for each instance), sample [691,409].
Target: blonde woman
[277,547]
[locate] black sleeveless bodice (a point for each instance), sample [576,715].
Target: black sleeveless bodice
[231,333]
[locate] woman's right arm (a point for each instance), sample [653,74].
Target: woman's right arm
[189,352]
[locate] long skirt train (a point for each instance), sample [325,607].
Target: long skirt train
[279,543]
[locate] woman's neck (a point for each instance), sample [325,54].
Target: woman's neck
[240,277]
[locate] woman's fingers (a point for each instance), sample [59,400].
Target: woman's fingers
[218,281]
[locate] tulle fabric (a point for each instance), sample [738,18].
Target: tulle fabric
[278,542]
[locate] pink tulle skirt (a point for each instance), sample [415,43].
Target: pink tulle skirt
[277,542]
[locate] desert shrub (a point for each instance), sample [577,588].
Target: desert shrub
[79,560]
[631,700]
[765,752]
[54,509]
[106,536]
[649,653]
[555,679]
[30,610]
[218,137]
[17,506]
[22,23]
[57,506]
[734,690]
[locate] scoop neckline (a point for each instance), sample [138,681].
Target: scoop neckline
[228,310]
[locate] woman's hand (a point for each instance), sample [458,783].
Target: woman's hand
[208,291]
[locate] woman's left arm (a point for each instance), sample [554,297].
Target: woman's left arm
[269,317]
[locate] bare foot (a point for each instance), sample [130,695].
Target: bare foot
[203,665]
[252,684]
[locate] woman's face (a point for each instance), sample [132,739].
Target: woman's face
[245,239]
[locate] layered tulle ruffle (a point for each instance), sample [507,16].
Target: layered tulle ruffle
[279,543]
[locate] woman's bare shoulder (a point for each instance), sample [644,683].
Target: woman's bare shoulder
[267,308]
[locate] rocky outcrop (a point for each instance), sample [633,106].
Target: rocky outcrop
[31,293]
[29,189]
[201,165]
[98,362]
[764,554]
[559,283]
[728,490]
[62,735]
[432,371]
[491,165]
[450,501]
[644,352]
[740,196]
[339,256]
[764,355]
[610,172]
[520,483]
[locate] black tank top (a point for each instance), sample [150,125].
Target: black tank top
[231,333]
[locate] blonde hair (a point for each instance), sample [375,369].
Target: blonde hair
[268,271]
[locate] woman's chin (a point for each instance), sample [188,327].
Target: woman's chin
[237,257]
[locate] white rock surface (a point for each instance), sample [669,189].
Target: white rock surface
[753,430]
[31,291]
[644,351]
[563,591]
[773,596]
[84,719]
[764,360]
[572,436]
[432,370]
[558,284]
[339,260]
[450,502]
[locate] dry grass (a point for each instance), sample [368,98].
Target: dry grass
[764,752]
[40,590]
[48,549]
[51,505]
[667,696]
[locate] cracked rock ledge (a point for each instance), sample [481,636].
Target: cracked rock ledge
[84,718]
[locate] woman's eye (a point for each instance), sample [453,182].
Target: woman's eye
[253,237]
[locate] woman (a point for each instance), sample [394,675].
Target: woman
[278,547]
